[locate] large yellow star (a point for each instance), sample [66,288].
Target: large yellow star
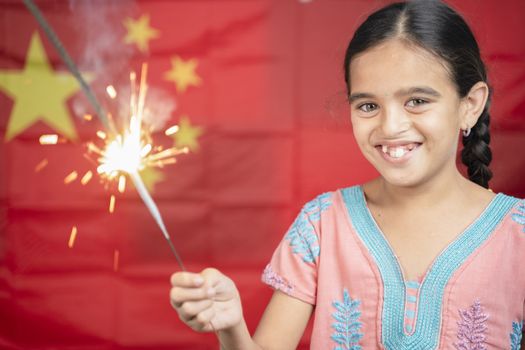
[187,135]
[183,73]
[39,93]
[139,32]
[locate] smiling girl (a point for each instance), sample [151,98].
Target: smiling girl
[418,258]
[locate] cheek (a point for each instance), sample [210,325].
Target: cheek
[361,129]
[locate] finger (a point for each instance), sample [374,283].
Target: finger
[191,309]
[186,279]
[212,277]
[202,322]
[180,295]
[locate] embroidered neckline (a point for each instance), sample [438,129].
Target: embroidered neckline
[428,317]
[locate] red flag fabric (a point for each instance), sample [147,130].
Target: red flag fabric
[257,90]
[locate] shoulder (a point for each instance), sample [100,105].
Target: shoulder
[516,214]
[331,201]
[511,210]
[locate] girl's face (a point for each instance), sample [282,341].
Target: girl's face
[406,112]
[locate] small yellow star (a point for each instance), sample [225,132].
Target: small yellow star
[150,177]
[187,135]
[140,32]
[39,93]
[183,73]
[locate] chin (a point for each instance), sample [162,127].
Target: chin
[408,180]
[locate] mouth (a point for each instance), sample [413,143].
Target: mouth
[399,152]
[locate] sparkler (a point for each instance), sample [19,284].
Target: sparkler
[124,153]
[129,152]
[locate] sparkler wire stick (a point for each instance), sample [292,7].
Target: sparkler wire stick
[50,33]
[154,210]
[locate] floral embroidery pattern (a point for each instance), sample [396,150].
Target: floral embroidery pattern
[515,336]
[270,277]
[347,327]
[301,234]
[519,217]
[472,328]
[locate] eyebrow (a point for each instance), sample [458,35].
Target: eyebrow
[426,90]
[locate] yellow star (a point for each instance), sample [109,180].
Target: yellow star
[39,93]
[150,177]
[183,73]
[187,135]
[140,32]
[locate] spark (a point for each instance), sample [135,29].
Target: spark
[101,134]
[50,139]
[171,130]
[88,117]
[86,178]
[112,204]
[111,91]
[132,150]
[122,183]
[41,165]
[72,237]
[71,177]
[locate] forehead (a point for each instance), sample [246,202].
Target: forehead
[395,65]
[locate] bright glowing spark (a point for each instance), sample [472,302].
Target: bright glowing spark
[51,139]
[171,130]
[122,183]
[87,176]
[101,134]
[111,91]
[72,237]
[115,260]
[112,204]
[71,177]
[131,150]
[43,163]
[88,117]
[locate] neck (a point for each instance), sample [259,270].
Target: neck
[445,189]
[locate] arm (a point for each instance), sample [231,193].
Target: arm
[283,322]
[280,328]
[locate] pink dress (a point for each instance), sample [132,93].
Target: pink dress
[335,257]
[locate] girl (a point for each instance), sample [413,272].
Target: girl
[418,258]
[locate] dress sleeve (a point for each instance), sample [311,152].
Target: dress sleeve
[293,267]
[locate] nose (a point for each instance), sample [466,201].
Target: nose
[394,121]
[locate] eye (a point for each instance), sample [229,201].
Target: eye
[415,102]
[367,107]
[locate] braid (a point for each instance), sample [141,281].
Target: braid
[476,153]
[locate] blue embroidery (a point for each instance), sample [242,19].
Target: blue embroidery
[428,315]
[302,236]
[519,217]
[515,336]
[347,327]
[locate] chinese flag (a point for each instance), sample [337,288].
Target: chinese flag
[256,88]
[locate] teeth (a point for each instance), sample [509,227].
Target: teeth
[397,151]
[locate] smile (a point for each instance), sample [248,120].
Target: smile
[397,153]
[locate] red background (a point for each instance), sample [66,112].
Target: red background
[276,133]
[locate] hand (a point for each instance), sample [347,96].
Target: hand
[206,302]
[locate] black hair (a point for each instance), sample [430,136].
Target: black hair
[437,28]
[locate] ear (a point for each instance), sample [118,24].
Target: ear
[473,104]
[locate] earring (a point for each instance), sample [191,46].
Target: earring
[466,132]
